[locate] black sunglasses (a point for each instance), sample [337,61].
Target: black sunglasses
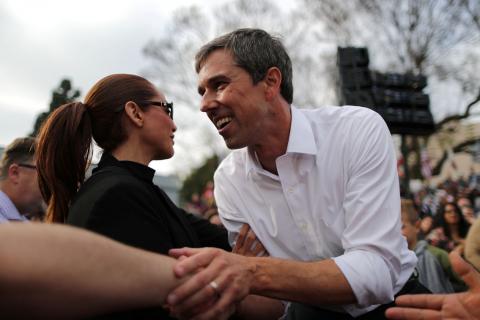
[167,106]
[26,165]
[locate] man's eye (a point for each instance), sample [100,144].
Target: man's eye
[221,85]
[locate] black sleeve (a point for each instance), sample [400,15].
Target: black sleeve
[125,214]
[210,235]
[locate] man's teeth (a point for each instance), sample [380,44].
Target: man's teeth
[223,121]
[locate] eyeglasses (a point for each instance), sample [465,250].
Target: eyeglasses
[167,106]
[26,165]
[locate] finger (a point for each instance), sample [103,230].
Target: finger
[249,241]
[239,243]
[259,249]
[465,271]
[196,282]
[181,258]
[196,258]
[196,304]
[230,293]
[427,301]
[412,314]
[222,309]
[177,252]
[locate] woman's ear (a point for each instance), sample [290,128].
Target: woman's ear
[134,113]
[273,81]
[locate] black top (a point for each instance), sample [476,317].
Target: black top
[121,201]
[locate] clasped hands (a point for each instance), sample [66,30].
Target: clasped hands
[217,280]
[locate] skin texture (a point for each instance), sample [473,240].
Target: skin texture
[465,305]
[42,263]
[252,307]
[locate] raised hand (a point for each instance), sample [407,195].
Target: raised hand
[465,305]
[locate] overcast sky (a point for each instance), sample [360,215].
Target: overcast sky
[43,41]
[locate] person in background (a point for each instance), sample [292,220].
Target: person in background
[20,196]
[450,229]
[435,271]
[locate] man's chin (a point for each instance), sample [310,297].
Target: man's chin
[232,144]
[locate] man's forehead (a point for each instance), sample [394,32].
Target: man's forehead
[218,59]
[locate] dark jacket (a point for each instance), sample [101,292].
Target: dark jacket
[120,201]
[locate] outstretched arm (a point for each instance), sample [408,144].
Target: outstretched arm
[465,305]
[56,271]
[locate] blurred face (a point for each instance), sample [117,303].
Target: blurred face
[236,107]
[410,232]
[464,202]
[30,199]
[159,129]
[450,214]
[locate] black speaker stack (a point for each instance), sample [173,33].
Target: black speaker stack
[398,98]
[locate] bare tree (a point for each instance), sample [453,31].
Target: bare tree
[438,38]
[172,54]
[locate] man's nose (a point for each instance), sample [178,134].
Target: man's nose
[208,103]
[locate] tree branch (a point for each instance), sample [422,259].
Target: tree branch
[465,115]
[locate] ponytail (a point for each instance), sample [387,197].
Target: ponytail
[63,152]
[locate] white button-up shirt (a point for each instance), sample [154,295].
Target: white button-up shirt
[336,196]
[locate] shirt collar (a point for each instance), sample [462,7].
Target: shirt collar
[8,208]
[300,140]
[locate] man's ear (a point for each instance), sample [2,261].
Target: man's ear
[273,80]
[134,114]
[14,173]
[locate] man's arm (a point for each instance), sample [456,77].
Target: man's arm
[57,271]
[313,283]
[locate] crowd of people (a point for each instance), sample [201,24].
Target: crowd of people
[308,201]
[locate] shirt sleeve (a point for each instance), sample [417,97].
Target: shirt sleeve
[372,261]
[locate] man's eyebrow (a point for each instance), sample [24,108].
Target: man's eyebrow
[212,81]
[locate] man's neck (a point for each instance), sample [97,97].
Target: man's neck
[275,141]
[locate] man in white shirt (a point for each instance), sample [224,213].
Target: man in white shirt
[19,191]
[318,187]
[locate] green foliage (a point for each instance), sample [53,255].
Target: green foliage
[199,177]
[60,96]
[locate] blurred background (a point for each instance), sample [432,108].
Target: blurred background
[416,62]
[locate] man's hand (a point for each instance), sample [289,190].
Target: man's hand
[465,305]
[247,243]
[214,273]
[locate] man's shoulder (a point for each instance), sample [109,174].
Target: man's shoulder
[339,113]
[232,163]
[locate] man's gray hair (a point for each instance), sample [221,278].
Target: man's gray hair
[21,150]
[255,51]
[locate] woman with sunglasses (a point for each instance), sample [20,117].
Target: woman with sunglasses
[132,122]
